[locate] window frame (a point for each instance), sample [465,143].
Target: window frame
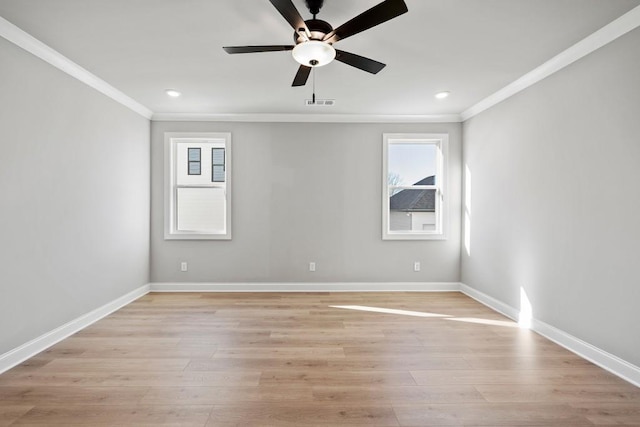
[441,140]
[171,140]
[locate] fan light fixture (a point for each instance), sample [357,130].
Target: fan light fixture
[314,53]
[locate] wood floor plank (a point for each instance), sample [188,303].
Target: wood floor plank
[227,394]
[229,338]
[307,359]
[238,364]
[618,393]
[149,352]
[114,365]
[396,394]
[405,350]
[130,379]
[321,376]
[609,414]
[310,414]
[138,415]
[10,412]
[77,341]
[398,362]
[520,363]
[338,340]
[489,414]
[321,334]
[62,395]
[586,375]
[275,352]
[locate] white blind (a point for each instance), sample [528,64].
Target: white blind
[201,209]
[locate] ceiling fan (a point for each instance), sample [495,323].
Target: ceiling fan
[314,38]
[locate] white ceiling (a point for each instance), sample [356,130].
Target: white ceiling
[469,47]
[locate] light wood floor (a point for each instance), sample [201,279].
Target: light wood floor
[325,359]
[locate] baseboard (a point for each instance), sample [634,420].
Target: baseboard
[605,360]
[608,361]
[307,287]
[490,302]
[18,355]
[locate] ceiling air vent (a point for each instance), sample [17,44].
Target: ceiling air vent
[320,102]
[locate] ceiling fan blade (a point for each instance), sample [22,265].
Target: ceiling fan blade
[254,49]
[290,13]
[378,14]
[360,62]
[301,76]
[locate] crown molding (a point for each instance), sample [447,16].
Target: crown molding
[34,46]
[306,118]
[627,22]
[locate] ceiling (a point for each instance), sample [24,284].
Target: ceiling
[471,48]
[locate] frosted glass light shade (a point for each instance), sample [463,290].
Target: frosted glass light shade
[314,53]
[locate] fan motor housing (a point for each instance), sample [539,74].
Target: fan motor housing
[318,29]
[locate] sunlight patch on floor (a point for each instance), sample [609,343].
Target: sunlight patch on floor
[388,311]
[490,322]
[478,321]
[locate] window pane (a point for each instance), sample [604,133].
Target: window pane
[194,168]
[194,154]
[217,156]
[218,174]
[412,210]
[412,164]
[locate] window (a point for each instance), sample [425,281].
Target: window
[197,186]
[414,203]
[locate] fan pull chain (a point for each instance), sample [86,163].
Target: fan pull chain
[313,97]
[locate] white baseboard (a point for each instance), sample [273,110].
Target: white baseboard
[307,287]
[490,302]
[18,355]
[605,360]
[608,361]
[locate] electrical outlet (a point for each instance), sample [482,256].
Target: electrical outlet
[312,266]
[184,266]
[416,266]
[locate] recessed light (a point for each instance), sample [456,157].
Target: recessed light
[173,93]
[442,95]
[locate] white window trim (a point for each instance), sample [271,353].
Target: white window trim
[170,141]
[441,187]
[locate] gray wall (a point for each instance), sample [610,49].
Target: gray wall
[305,192]
[74,198]
[555,202]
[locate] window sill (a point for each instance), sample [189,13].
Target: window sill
[413,236]
[197,236]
